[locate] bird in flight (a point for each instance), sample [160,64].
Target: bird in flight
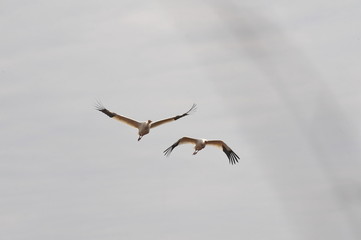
[143,127]
[201,143]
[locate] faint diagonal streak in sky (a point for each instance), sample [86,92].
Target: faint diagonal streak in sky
[329,133]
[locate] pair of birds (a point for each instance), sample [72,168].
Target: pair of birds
[144,128]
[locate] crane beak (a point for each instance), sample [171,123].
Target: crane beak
[140,137]
[195,152]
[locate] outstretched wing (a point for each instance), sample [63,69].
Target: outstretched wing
[232,156]
[160,122]
[180,141]
[118,117]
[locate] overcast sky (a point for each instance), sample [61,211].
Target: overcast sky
[278,81]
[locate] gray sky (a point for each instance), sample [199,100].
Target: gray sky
[278,81]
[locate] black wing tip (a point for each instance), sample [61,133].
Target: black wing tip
[168,151]
[232,156]
[99,105]
[193,109]
[190,111]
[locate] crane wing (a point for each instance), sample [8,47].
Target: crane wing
[180,141]
[118,117]
[171,119]
[232,156]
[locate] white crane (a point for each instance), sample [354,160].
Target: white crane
[143,127]
[201,143]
